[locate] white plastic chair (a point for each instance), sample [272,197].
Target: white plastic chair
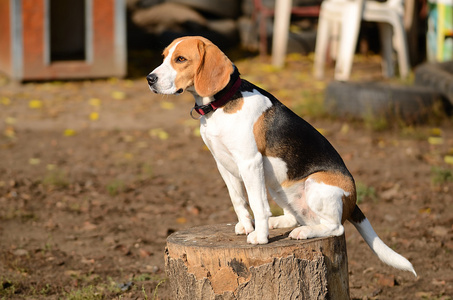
[347,14]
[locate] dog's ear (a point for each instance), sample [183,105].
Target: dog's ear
[214,71]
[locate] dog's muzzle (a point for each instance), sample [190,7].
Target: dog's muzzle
[152,80]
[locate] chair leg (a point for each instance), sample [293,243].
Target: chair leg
[263,34]
[334,39]
[282,20]
[348,41]
[386,35]
[322,40]
[402,51]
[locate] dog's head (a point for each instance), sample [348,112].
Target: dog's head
[194,64]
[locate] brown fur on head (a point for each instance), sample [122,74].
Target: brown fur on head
[200,63]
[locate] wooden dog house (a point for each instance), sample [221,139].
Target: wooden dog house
[55,39]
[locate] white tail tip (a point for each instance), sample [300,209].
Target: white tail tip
[382,251]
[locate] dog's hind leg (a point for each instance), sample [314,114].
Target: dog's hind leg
[284,221]
[325,202]
[287,219]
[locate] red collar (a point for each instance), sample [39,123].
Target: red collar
[222,97]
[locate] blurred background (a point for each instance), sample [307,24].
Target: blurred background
[96,171]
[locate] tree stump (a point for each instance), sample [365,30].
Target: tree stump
[212,262]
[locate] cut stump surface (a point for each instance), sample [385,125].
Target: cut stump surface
[212,262]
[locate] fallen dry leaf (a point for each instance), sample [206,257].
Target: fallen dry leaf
[128,156]
[435,140]
[386,280]
[142,144]
[196,132]
[159,133]
[51,167]
[118,95]
[143,253]
[95,102]
[439,231]
[9,132]
[5,101]
[35,104]
[344,128]
[94,116]
[268,68]
[34,161]
[436,131]
[438,282]
[181,220]
[87,261]
[69,132]
[425,210]
[167,105]
[20,252]
[448,159]
[87,226]
[10,120]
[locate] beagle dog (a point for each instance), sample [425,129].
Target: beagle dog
[260,144]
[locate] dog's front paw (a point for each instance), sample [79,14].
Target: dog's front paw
[242,228]
[256,238]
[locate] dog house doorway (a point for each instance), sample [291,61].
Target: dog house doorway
[68,30]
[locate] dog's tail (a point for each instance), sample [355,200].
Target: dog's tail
[382,251]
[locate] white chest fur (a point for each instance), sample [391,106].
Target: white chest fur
[229,136]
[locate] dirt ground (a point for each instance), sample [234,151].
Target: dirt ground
[94,175]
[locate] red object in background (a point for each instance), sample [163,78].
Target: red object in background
[54,39]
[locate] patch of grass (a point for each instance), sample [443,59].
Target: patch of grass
[439,113]
[143,277]
[441,175]
[375,123]
[148,277]
[17,265]
[56,178]
[145,295]
[157,287]
[115,187]
[414,133]
[92,287]
[312,105]
[20,288]
[365,191]
[11,213]
[87,292]
[146,171]
[41,291]
[430,296]
[45,290]
[275,209]
[7,288]
[47,247]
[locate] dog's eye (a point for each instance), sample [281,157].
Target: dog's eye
[180,59]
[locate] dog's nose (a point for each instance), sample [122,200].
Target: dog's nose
[152,78]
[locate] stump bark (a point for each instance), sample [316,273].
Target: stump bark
[212,262]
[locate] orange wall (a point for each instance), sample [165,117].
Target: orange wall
[5,37]
[103,18]
[33,36]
